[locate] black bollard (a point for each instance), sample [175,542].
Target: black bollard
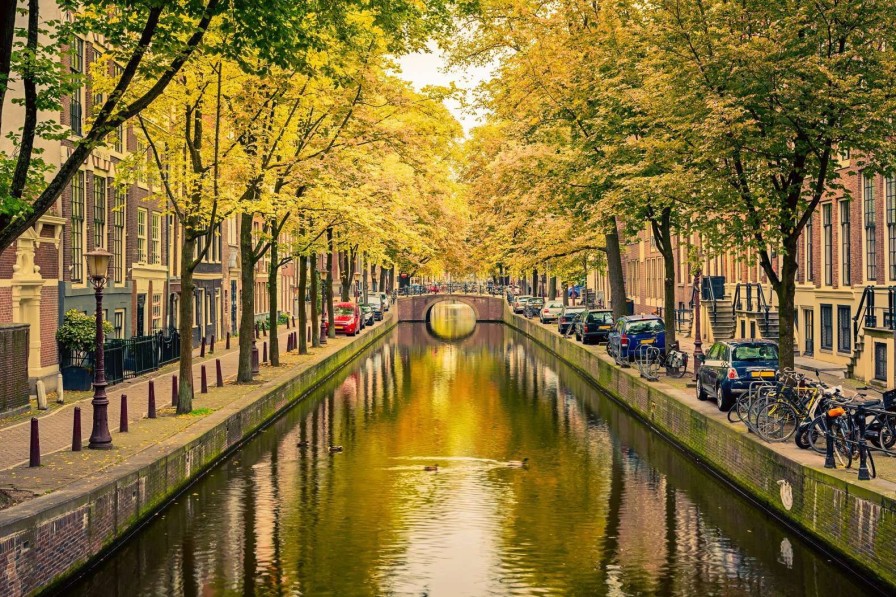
[829,443]
[309,336]
[202,348]
[211,349]
[264,357]
[204,386]
[287,323]
[123,423]
[864,475]
[151,407]
[227,345]
[76,430]
[173,390]
[34,457]
[219,377]
[257,331]
[293,321]
[264,330]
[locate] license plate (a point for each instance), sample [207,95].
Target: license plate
[603,327]
[648,341]
[762,374]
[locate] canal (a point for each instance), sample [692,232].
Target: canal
[604,507]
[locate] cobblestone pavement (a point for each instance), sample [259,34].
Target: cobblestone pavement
[886,466]
[56,424]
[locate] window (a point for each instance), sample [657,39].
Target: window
[76,107]
[870,232]
[809,331]
[156,312]
[77,227]
[755,352]
[807,231]
[141,236]
[156,236]
[828,246]
[118,235]
[845,245]
[119,138]
[880,361]
[844,334]
[827,327]
[119,323]
[99,211]
[890,192]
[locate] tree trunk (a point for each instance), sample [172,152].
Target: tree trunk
[344,276]
[7,31]
[302,332]
[273,343]
[315,311]
[662,229]
[384,273]
[786,289]
[552,288]
[185,328]
[247,298]
[565,292]
[614,269]
[328,286]
[534,281]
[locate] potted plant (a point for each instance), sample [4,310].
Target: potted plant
[77,341]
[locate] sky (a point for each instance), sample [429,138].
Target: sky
[429,68]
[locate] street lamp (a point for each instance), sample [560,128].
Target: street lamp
[322,270]
[97,268]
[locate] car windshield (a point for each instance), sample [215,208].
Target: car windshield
[648,326]
[536,301]
[755,352]
[600,317]
[344,311]
[366,308]
[554,305]
[574,310]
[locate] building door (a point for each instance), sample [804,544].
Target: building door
[809,331]
[141,307]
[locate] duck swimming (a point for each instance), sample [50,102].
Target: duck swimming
[431,468]
[524,463]
[335,449]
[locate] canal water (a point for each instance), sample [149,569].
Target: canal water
[604,507]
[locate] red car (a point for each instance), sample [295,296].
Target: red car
[347,318]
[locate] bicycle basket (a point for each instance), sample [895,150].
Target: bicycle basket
[890,399]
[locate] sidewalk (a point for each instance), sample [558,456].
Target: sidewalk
[886,466]
[61,466]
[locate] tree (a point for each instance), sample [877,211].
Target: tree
[767,93]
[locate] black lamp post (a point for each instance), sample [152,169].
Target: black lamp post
[322,270]
[100,438]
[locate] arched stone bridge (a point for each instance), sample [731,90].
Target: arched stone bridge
[417,308]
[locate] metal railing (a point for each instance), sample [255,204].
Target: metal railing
[128,358]
[873,316]
[762,307]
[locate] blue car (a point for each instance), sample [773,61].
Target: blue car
[634,331]
[730,367]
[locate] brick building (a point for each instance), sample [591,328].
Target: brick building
[846,283]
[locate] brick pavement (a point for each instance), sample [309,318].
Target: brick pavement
[56,425]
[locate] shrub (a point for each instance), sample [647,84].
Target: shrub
[78,331]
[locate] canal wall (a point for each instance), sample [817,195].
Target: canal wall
[857,522]
[48,538]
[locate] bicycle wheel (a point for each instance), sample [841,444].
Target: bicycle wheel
[776,422]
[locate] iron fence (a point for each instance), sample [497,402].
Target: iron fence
[128,358]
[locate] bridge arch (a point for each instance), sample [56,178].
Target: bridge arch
[418,308]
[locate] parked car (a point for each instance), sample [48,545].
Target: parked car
[731,366]
[519,303]
[387,302]
[567,317]
[347,318]
[534,306]
[551,311]
[377,305]
[632,332]
[594,326]
[367,314]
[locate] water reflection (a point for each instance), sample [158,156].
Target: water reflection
[451,320]
[605,508]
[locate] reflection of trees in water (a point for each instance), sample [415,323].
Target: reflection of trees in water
[606,505]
